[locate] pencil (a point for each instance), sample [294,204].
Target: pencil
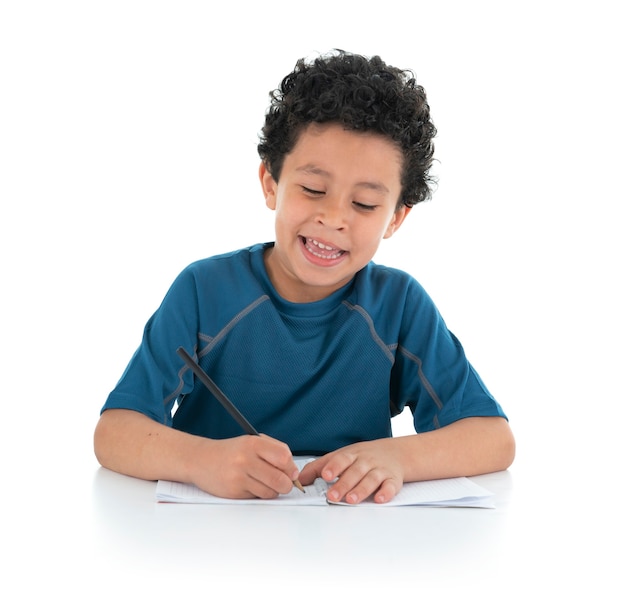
[233,411]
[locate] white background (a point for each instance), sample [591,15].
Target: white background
[128,135]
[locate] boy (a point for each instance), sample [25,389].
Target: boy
[316,345]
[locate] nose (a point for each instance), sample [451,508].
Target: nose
[332,213]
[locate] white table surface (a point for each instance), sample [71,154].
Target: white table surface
[81,536]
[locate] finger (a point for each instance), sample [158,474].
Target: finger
[373,483]
[265,467]
[258,489]
[387,491]
[357,481]
[332,466]
[272,478]
[278,454]
[311,471]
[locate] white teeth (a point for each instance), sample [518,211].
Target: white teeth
[321,245]
[331,256]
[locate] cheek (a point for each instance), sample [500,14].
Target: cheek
[290,214]
[379,230]
[285,222]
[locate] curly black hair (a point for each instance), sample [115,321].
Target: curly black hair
[362,94]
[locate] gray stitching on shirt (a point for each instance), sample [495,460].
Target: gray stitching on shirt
[388,351]
[379,341]
[181,384]
[425,382]
[212,342]
[231,324]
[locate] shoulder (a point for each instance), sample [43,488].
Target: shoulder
[377,281]
[393,298]
[240,266]
[233,272]
[239,260]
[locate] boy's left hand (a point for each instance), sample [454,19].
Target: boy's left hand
[358,471]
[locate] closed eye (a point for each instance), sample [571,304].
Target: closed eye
[365,207]
[312,192]
[317,193]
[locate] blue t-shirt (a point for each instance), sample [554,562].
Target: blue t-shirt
[316,375]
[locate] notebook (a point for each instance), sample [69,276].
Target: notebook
[456,492]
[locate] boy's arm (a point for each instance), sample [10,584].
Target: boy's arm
[470,446]
[131,443]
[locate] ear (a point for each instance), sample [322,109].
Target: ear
[269,187]
[396,221]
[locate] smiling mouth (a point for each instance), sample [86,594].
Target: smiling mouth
[322,250]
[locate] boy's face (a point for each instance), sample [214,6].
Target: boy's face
[335,201]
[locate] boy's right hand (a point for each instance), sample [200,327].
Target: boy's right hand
[131,443]
[244,467]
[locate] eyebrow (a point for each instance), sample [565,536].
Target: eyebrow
[312,169]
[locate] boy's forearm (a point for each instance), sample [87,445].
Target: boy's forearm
[471,446]
[131,443]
